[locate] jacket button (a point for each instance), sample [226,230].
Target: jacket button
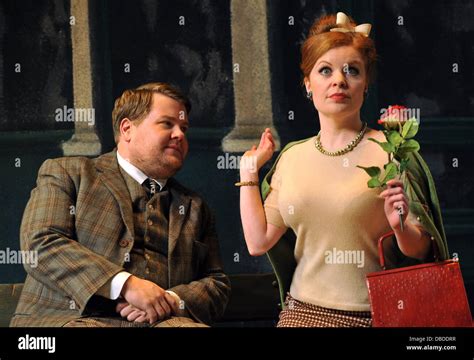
[123,243]
[275,283]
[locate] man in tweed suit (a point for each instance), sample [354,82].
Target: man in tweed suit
[119,241]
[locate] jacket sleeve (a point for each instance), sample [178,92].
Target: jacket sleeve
[206,298]
[48,228]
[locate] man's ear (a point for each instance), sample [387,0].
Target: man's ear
[125,129]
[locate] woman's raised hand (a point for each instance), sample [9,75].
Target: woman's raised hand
[258,156]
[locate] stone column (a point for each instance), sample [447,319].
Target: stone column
[252,91]
[85,141]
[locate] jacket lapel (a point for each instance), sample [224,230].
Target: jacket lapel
[108,168]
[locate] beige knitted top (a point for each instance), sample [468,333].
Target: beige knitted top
[337,220]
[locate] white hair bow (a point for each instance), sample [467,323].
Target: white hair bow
[343,20]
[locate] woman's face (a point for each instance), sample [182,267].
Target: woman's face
[338,81]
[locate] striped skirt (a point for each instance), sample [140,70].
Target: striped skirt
[301,314]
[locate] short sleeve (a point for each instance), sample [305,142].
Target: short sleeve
[272,210]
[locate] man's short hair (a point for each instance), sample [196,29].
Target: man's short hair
[135,104]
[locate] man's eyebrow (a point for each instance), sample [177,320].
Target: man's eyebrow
[171,118]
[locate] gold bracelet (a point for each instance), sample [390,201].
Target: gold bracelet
[247,183]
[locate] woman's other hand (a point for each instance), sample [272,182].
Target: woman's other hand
[396,203]
[256,157]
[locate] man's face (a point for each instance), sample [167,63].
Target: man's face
[158,144]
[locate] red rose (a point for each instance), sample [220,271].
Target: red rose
[393,116]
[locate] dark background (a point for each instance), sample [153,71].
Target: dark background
[415,69]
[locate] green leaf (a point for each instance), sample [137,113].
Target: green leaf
[394,138]
[372,171]
[390,172]
[410,129]
[408,147]
[374,182]
[403,165]
[387,147]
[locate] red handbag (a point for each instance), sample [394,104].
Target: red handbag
[426,295]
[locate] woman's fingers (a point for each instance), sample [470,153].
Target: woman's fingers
[399,197]
[262,139]
[394,182]
[269,139]
[266,141]
[400,204]
[266,137]
[392,191]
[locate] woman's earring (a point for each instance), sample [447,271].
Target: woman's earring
[309,95]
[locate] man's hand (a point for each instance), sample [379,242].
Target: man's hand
[131,312]
[144,295]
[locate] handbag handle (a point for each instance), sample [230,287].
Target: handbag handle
[390,234]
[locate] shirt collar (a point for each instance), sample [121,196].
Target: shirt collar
[136,173]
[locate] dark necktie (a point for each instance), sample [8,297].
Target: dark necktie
[152,186]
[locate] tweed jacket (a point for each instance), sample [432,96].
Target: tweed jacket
[79,219]
[423,202]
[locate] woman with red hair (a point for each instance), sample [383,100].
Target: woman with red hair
[316,189]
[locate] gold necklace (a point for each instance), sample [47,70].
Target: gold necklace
[349,147]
